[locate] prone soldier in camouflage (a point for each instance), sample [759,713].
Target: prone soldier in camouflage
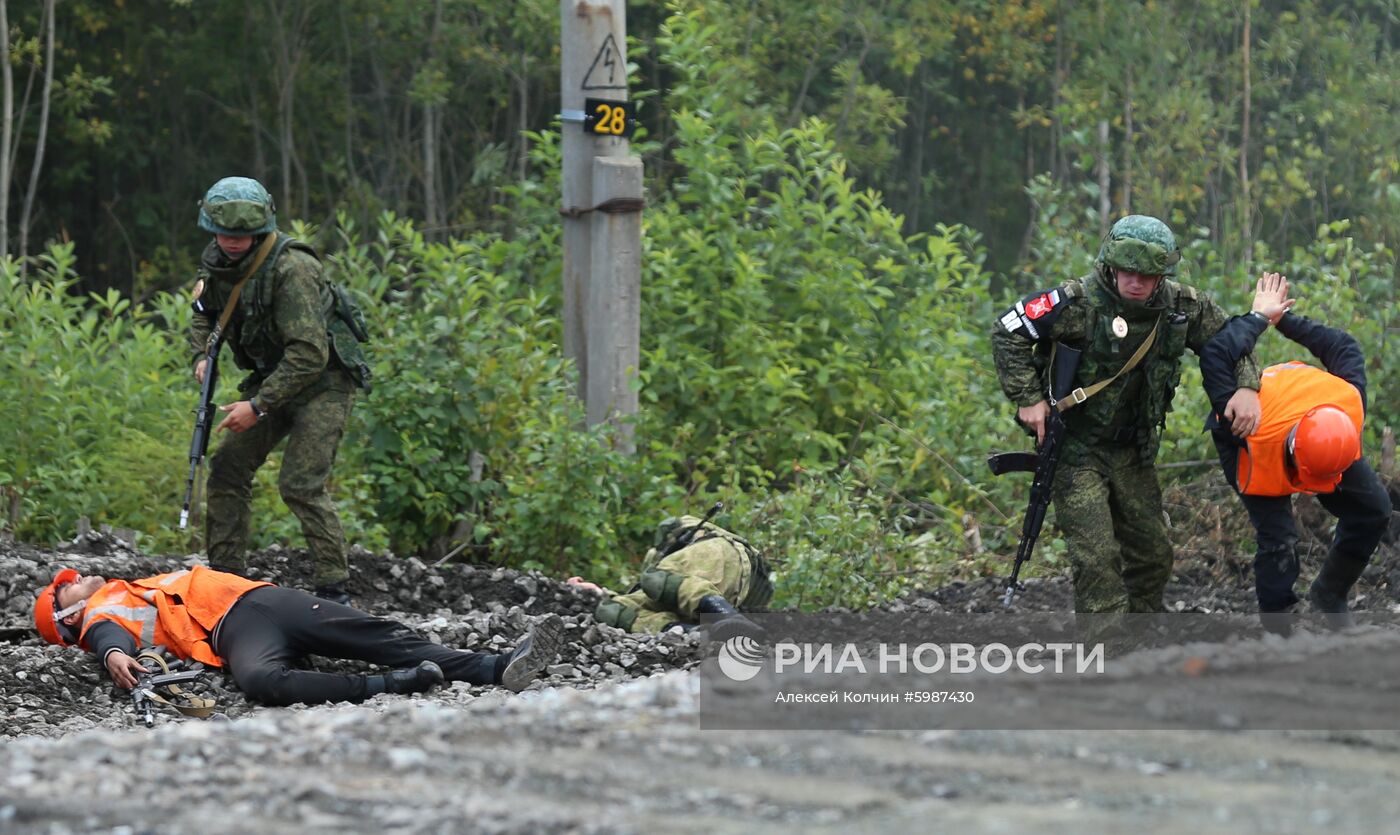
[1108,503]
[716,573]
[299,337]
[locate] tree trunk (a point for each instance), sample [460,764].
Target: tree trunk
[1126,199]
[1246,218]
[1102,163]
[432,214]
[1059,170]
[1105,180]
[7,124]
[44,97]
[524,125]
[287,55]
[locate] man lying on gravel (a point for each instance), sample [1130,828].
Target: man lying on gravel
[257,631]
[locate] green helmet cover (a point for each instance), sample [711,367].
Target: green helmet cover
[237,206]
[1140,244]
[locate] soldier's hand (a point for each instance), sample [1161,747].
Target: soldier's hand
[584,584]
[1243,412]
[1035,418]
[124,669]
[240,417]
[199,369]
[1271,297]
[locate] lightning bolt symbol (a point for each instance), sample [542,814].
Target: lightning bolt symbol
[608,62]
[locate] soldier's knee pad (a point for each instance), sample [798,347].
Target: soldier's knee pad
[613,613]
[662,586]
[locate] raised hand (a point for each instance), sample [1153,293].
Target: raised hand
[1271,297]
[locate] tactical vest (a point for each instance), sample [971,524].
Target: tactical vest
[1286,393]
[760,586]
[253,336]
[1133,410]
[178,610]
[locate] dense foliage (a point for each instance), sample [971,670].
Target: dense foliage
[815,350]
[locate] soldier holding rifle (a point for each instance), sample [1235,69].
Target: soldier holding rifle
[1131,323]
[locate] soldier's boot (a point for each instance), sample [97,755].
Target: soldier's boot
[730,623]
[425,676]
[1328,593]
[538,650]
[334,592]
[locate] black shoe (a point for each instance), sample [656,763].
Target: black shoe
[425,676]
[335,593]
[1333,608]
[537,650]
[731,623]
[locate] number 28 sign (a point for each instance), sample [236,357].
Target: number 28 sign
[604,117]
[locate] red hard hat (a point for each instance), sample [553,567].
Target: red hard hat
[1324,443]
[47,604]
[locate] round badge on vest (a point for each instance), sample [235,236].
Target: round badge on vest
[1120,327]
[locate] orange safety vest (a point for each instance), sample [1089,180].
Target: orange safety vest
[178,610]
[1286,392]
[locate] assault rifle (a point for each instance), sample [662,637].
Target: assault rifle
[687,536]
[144,696]
[1064,362]
[203,418]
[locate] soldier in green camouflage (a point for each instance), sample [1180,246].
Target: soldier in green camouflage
[293,331]
[691,571]
[1108,503]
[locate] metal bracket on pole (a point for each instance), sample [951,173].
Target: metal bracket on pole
[572,116]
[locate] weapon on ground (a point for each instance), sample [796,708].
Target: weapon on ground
[203,419]
[145,695]
[1042,463]
[687,536]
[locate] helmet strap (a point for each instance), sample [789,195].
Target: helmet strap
[71,610]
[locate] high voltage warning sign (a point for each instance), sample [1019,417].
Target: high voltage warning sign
[607,71]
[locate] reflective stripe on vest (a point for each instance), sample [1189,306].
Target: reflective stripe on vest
[1286,393]
[126,616]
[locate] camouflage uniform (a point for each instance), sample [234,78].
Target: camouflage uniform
[1107,498]
[305,367]
[716,562]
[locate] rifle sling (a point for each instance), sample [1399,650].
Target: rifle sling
[1079,395]
[253,266]
[200,707]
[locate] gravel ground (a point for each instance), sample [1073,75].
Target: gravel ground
[610,741]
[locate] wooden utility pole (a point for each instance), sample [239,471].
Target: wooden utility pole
[602,200]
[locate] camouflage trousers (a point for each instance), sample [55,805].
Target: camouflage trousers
[312,426]
[1108,506]
[671,590]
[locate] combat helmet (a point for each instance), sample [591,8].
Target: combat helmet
[1140,244]
[237,206]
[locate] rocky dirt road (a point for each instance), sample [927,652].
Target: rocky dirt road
[610,740]
[628,757]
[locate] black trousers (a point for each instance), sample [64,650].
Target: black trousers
[271,627]
[1362,507]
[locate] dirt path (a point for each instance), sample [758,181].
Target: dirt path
[629,757]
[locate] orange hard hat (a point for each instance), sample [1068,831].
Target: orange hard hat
[1324,443]
[47,605]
